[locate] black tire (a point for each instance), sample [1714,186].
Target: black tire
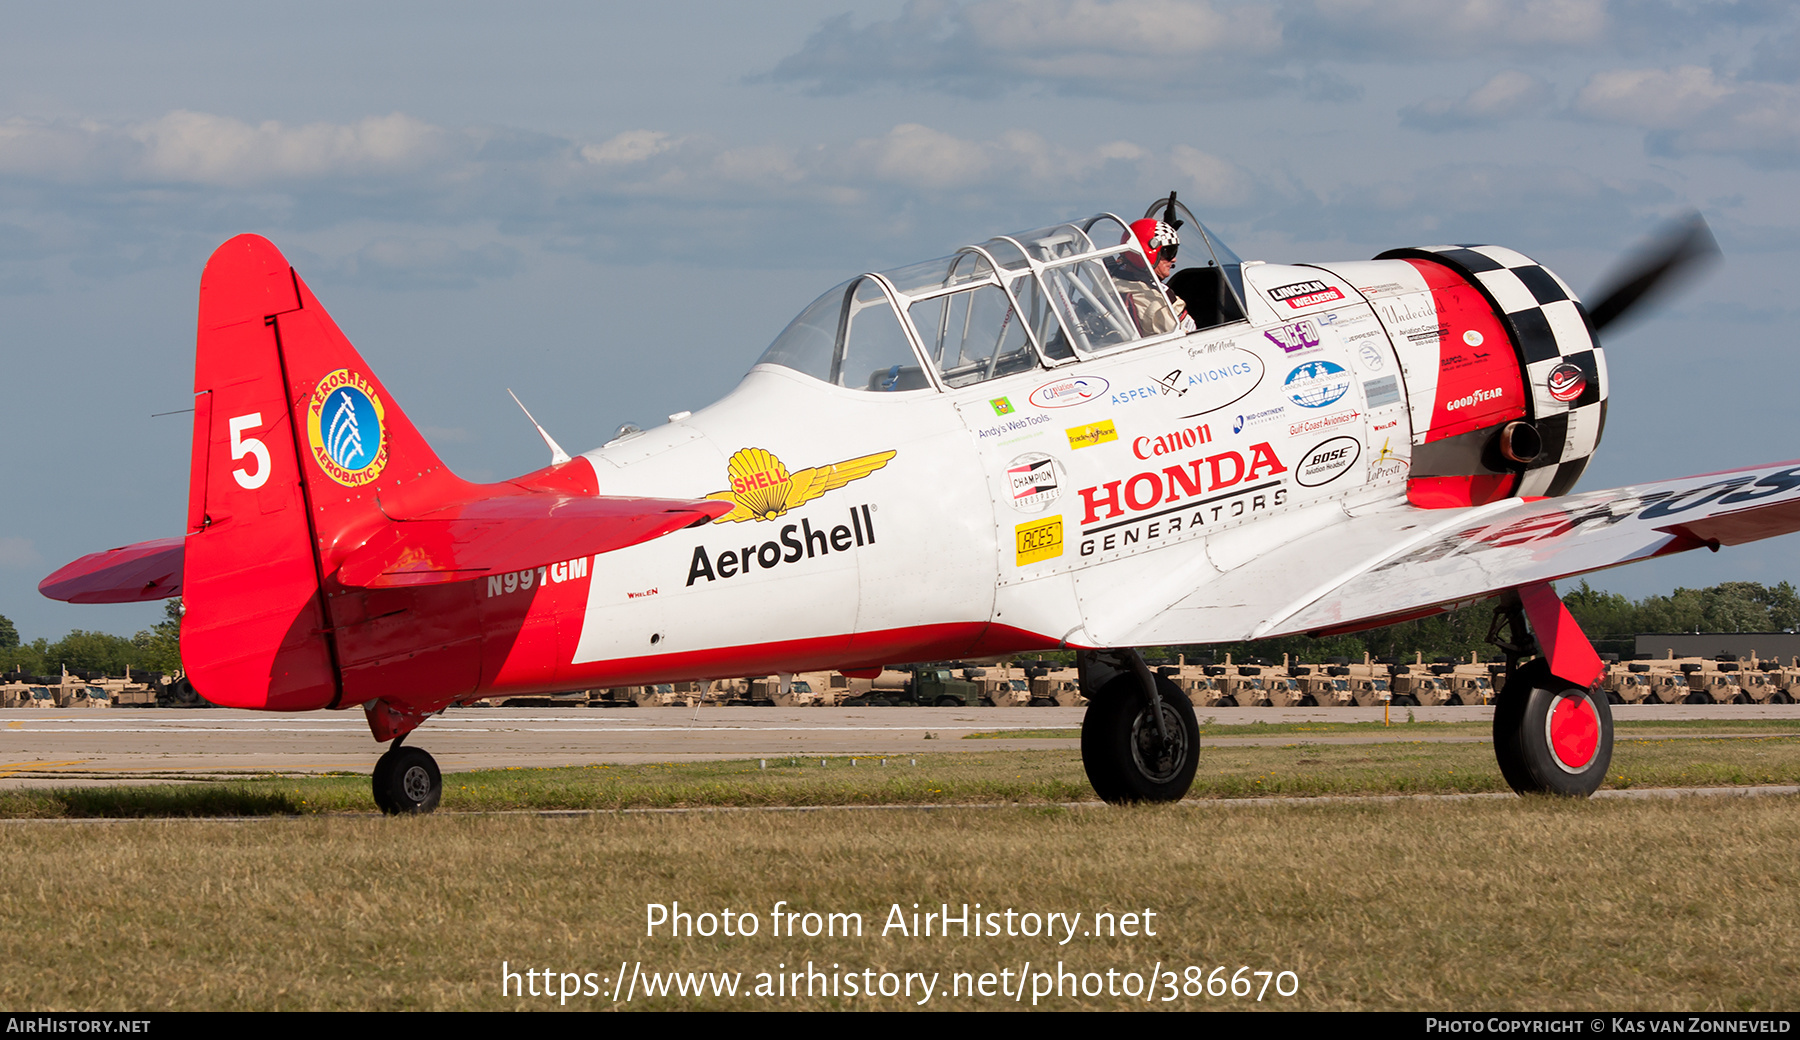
[947,701]
[1122,752]
[407,782]
[1551,737]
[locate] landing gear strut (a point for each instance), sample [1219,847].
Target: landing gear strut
[1140,741]
[1551,736]
[407,782]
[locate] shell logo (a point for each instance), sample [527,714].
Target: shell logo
[763,489]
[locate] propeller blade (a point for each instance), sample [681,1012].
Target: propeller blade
[1678,251]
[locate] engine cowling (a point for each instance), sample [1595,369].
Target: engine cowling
[1506,381]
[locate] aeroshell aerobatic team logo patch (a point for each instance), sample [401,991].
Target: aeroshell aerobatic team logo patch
[763,489]
[346,426]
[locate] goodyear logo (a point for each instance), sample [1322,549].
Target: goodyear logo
[763,489]
[1091,434]
[345,426]
[1039,540]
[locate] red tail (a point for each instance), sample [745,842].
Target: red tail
[297,446]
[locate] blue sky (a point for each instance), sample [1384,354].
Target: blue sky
[612,209]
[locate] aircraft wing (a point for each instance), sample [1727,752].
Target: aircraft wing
[1394,562]
[514,532]
[129,574]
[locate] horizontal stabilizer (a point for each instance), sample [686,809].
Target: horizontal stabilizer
[512,533]
[129,574]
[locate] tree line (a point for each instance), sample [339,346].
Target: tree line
[1611,620]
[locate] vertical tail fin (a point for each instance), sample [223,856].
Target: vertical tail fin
[297,450]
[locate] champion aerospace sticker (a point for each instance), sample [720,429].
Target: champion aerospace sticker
[1031,481]
[345,426]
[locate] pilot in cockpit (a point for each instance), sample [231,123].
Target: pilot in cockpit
[1143,288]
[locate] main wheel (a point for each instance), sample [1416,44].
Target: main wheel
[1126,759]
[1551,737]
[407,782]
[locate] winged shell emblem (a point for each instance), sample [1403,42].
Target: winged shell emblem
[763,489]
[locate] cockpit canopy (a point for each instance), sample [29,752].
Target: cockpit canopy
[1019,302]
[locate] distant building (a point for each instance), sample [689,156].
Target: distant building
[1763,645]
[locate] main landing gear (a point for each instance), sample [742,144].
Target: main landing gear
[1140,741]
[406,779]
[407,782]
[1551,736]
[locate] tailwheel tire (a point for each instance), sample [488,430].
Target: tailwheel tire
[1125,756]
[1552,737]
[407,782]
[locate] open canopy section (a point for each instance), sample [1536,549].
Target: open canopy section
[1017,302]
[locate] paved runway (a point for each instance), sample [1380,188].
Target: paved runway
[63,748]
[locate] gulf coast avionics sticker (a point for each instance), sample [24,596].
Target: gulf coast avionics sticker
[346,428]
[1032,482]
[1038,540]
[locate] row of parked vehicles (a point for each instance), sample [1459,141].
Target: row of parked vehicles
[1337,682]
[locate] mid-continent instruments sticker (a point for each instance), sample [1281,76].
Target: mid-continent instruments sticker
[345,425]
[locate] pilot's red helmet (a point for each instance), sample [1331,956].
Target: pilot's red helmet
[1157,238]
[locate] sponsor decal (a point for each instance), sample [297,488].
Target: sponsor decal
[1018,425]
[640,595]
[797,542]
[1238,423]
[1381,290]
[1066,393]
[1189,479]
[1566,382]
[1475,398]
[1091,434]
[1377,392]
[1386,465]
[1300,295]
[549,574]
[1296,337]
[1038,540]
[1317,384]
[763,489]
[1002,405]
[1172,442]
[1031,481]
[1370,355]
[345,426]
[1472,338]
[1390,424]
[1326,462]
[1323,422]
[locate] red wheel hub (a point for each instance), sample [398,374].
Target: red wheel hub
[1574,730]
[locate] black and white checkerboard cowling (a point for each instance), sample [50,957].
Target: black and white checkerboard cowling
[1549,328]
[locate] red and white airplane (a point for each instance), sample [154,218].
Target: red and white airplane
[1022,446]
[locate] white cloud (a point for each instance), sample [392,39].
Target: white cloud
[632,146]
[1166,48]
[1508,95]
[1693,109]
[18,552]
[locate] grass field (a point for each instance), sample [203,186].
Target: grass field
[1510,904]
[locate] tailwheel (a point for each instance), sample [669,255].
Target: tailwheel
[1550,736]
[1127,756]
[407,782]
